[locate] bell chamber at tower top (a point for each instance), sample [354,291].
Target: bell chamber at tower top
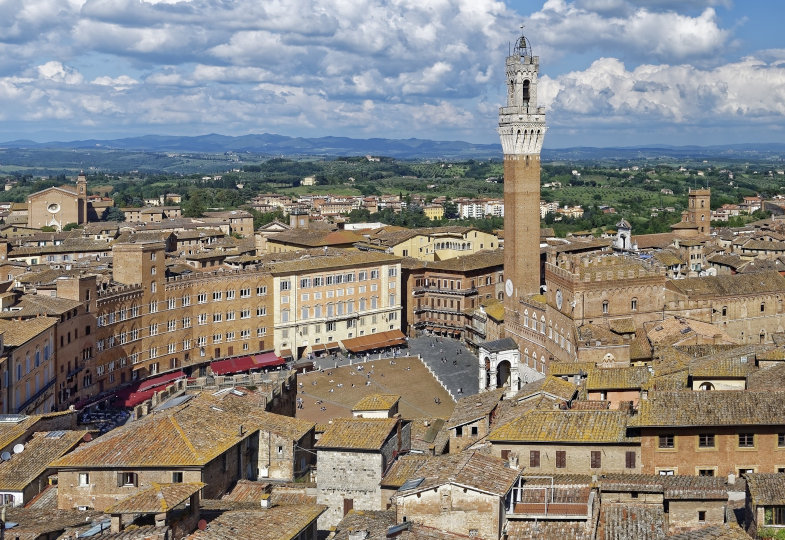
[521,121]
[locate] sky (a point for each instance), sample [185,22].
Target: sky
[612,72]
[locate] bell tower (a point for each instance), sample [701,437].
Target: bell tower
[521,129]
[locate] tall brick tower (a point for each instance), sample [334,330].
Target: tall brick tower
[521,128]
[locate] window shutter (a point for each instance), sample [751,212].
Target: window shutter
[596,459]
[119,479]
[630,460]
[561,459]
[534,458]
[505,455]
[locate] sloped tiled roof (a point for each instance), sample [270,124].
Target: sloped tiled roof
[403,469]
[715,408]
[632,522]
[376,402]
[766,489]
[156,499]
[375,522]
[722,531]
[15,334]
[357,433]
[620,378]
[598,426]
[23,468]
[548,386]
[276,523]
[471,408]
[471,469]
[734,285]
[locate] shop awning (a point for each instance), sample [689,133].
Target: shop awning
[160,381]
[245,363]
[286,353]
[332,346]
[380,340]
[319,347]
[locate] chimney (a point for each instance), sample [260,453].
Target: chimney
[731,479]
[265,501]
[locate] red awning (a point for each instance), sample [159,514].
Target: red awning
[245,363]
[158,381]
[269,359]
[133,399]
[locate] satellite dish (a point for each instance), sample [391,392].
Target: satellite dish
[5,456]
[18,448]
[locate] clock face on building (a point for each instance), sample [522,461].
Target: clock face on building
[508,287]
[558,298]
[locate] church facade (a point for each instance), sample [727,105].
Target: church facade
[58,206]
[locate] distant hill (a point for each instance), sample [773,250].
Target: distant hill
[131,150]
[270,144]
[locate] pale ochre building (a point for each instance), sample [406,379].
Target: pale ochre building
[430,244]
[322,301]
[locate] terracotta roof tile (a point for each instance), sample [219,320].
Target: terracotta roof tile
[403,469]
[626,378]
[471,469]
[357,433]
[716,408]
[376,402]
[766,489]
[19,471]
[471,408]
[566,426]
[724,531]
[156,499]
[276,523]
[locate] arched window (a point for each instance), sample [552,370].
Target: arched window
[762,307]
[724,311]
[634,304]
[706,386]
[605,307]
[526,85]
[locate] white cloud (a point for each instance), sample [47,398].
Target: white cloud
[622,28]
[750,90]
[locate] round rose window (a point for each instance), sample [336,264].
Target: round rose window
[53,208]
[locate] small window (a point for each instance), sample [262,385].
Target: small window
[634,304]
[561,459]
[705,472]
[596,459]
[84,479]
[534,458]
[459,431]
[746,440]
[177,477]
[629,459]
[706,440]
[780,439]
[667,441]
[475,431]
[701,515]
[280,450]
[125,479]
[605,307]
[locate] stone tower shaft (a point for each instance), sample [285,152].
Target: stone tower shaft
[521,129]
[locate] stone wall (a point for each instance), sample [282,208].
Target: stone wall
[578,457]
[453,509]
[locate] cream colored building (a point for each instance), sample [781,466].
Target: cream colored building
[325,300]
[430,244]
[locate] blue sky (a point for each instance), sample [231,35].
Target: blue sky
[613,72]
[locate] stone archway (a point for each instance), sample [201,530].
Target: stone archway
[503,371]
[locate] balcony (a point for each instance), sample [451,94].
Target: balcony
[441,290]
[537,498]
[37,395]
